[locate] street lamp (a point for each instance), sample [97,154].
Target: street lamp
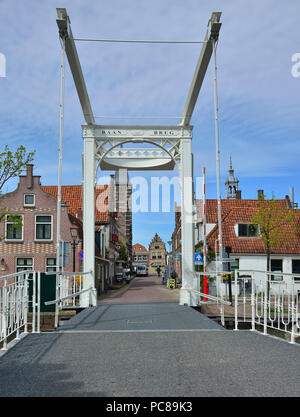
[170,258]
[74,243]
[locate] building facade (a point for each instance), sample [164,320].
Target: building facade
[157,254]
[140,255]
[32,243]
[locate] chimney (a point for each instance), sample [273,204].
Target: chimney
[292,195]
[260,194]
[293,204]
[79,214]
[238,194]
[29,175]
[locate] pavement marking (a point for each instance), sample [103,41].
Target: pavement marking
[142,330]
[139,322]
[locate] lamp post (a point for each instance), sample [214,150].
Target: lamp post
[169,258]
[74,243]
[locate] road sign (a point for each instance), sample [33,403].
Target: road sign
[177,256]
[226,260]
[198,257]
[80,254]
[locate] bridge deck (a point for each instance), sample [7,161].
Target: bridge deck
[143,350]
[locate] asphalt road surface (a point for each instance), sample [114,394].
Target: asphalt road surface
[145,290]
[144,344]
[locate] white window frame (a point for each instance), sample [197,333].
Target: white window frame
[35,224]
[11,222]
[50,266]
[29,205]
[20,266]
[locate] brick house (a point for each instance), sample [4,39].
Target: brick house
[140,255]
[157,254]
[242,236]
[33,245]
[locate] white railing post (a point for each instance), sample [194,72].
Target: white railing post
[26,303]
[266,306]
[252,302]
[39,302]
[33,301]
[293,315]
[57,296]
[18,304]
[4,316]
[236,300]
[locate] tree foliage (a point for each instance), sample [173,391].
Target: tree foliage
[13,163]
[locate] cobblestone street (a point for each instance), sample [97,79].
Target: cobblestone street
[143,290]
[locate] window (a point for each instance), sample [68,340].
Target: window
[153,255]
[276,266]
[29,200]
[145,257]
[156,247]
[296,268]
[158,255]
[139,257]
[14,227]
[248,230]
[43,227]
[50,264]
[24,264]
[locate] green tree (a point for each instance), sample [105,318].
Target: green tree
[122,251]
[11,165]
[273,222]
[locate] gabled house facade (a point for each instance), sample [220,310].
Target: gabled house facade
[243,236]
[157,254]
[33,245]
[140,255]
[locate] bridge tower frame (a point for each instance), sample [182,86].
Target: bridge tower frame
[170,147]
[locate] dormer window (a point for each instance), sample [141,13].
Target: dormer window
[29,200]
[248,230]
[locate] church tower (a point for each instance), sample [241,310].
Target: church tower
[231,184]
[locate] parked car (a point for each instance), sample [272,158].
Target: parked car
[141,270]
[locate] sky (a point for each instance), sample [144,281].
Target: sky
[258,92]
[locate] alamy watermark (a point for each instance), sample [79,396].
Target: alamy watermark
[152,195]
[2,65]
[296,67]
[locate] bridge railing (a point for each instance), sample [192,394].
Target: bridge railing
[69,290]
[265,300]
[268,299]
[19,295]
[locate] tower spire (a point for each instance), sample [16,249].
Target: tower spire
[231,183]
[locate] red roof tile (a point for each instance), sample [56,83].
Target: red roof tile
[211,206]
[71,195]
[138,248]
[254,244]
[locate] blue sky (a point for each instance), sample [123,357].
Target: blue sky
[259,99]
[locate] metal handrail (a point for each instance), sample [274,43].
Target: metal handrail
[75,294]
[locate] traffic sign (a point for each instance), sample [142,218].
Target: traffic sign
[177,256]
[226,260]
[80,254]
[198,257]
